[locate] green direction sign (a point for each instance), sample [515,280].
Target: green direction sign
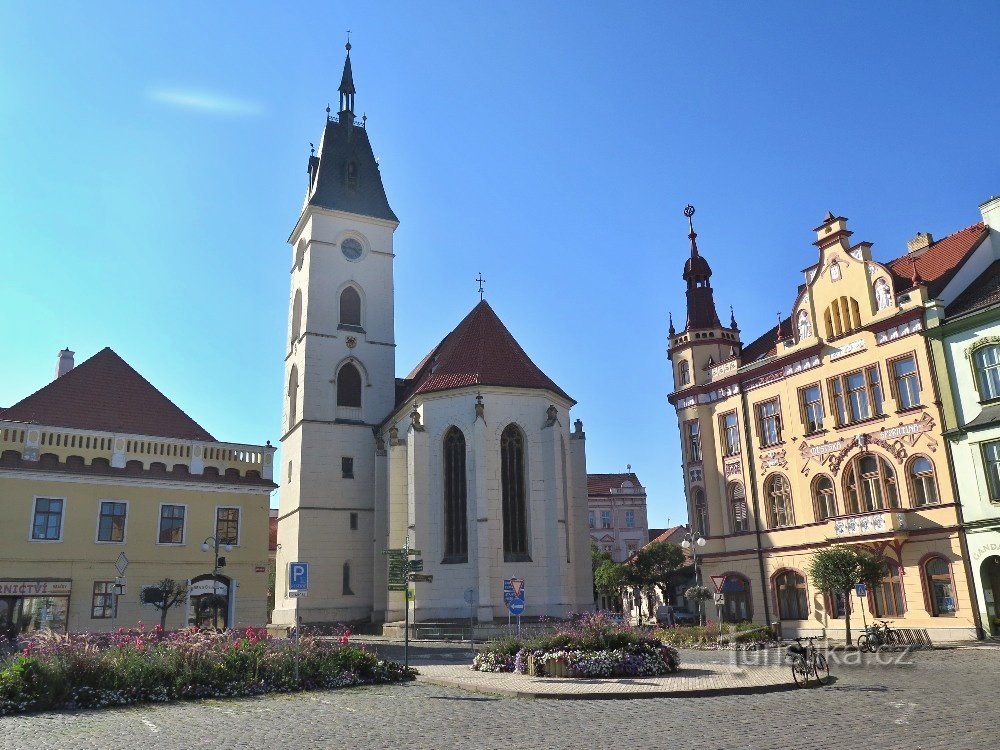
[421,578]
[397,587]
[417,566]
[400,552]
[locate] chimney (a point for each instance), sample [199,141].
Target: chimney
[65,363]
[922,241]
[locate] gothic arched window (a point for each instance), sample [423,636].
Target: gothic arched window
[349,386]
[456,534]
[293,396]
[515,509]
[350,307]
[296,315]
[779,502]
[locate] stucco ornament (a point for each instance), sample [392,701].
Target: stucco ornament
[415,420]
[480,408]
[551,416]
[883,295]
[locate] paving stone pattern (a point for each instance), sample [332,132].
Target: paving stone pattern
[945,699]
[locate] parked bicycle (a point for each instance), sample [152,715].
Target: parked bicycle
[877,635]
[808,663]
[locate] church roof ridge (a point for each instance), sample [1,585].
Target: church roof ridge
[480,350]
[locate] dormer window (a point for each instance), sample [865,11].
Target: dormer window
[352,175]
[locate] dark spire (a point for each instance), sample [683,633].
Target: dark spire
[672,331]
[347,90]
[732,319]
[697,274]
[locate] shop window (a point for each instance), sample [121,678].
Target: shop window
[779,502]
[738,505]
[824,498]
[769,423]
[737,605]
[103,604]
[111,521]
[227,525]
[811,402]
[905,382]
[870,485]
[172,524]
[940,587]
[923,486]
[837,604]
[887,594]
[790,588]
[46,523]
[986,360]
[857,396]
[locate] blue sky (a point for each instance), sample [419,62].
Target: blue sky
[153,163]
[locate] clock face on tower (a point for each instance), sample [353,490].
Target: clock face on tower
[351,248]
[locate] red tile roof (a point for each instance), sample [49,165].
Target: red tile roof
[104,393]
[938,263]
[602,484]
[480,351]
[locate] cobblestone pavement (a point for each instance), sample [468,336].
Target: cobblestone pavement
[944,699]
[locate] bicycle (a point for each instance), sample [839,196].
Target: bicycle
[807,662]
[875,636]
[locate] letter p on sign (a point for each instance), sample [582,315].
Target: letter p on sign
[298,576]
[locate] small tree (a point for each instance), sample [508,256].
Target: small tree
[597,558]
[611,579]
[837,570]
[660,560]
[163,596]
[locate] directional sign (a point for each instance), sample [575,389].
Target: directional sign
[421,577]
[396,587]
[298,576]
[417,566]
[297,594]
[121,563]
[516,606]
[717,581]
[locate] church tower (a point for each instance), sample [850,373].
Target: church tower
[339,373]
[705,352]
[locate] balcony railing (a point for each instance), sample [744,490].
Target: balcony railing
[863,524]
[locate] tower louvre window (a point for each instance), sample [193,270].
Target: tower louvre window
[349,386]
[350,307]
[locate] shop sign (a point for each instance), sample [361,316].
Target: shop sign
[207,587]
[35,588]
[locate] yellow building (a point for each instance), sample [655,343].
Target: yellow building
[825,430]
[97,468]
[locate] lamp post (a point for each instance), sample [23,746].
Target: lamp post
[692,541]
[213,543]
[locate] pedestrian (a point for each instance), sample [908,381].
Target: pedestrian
[671,617]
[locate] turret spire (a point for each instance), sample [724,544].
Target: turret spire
[697,274]
[347,90]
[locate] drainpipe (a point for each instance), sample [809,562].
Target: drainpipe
[962,540]
[748,452]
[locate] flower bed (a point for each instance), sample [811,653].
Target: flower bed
[137,666]
[590,646]
[734,635]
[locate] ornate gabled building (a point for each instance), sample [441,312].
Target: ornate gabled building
[469,459]
[617,514]
[825,430]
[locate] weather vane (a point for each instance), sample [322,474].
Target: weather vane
[481,281]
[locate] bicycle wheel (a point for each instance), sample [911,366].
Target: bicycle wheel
[800,672]
[821,669]
[864,643]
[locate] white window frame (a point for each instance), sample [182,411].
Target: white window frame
[239,522]
[629,518]
[97,529]
[611,519]
[31,520]
[159,520]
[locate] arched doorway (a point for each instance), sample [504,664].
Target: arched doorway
[208,602]
[736,599]
[990,576]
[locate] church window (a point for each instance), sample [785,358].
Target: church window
[347,467]
[293,396]
[347,580]
[805,327]
[296,316]
[350,307]
[354,521]
[352,175]
[456,527]
[883,295]
[349,386]
[515,510]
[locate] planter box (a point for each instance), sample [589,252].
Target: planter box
[551,669]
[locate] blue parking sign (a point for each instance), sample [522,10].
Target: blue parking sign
[298,576]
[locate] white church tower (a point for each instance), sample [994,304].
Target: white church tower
[339,374]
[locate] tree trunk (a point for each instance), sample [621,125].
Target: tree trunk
[163,620]
[847,616]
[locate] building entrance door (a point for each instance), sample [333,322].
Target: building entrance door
[990,575]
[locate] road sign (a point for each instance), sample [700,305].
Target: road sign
[121,563]
[517,586]
[298,576]
[720,599]
[516,606]
[417,566]
[717,581]
[469,593]
[401,552]
[421,577]
[861,590]
[396,587]
[297,594]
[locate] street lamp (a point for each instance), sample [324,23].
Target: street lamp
[213,543]
[692,541]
